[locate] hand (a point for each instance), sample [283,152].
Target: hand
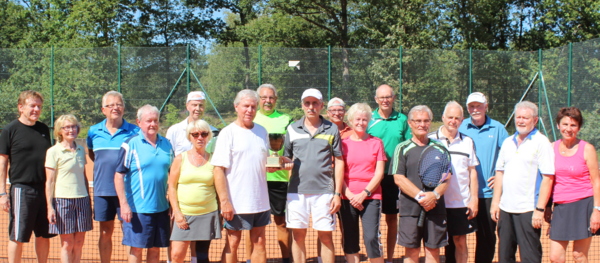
[336,203]
[288,164]
[472,208]
[51,216]
[4,203]
[227,210]
[272,169]
[491,182]
[595,221]
[358,199]
[495,213]
[548,215]
[181,221]
[126,213]
[537,220]
[428,201]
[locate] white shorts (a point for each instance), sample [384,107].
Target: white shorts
[301,206]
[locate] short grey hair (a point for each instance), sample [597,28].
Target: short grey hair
[245,93]
[420,108]
[198,125]
[527,105]
[112,93]
[147,109]
[267,86]
[453,104]
[359,108]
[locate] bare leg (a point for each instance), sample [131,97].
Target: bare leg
[580,250]
[15,250]
[462,251]
[259,253]
[105,240]
[67,243]
[135,255]
[249,245]
[391,221]
[231,246]
[42,249]
[412,255]
[283,236]
[432,255]
[327,247]
[298,245]
[353,258]
[178,251]
[558,251]
[153,255]
[193,255]
[78,249]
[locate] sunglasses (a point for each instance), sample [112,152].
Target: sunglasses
[196,134]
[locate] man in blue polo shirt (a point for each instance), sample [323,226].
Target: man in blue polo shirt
[104,142]
[488,135]
[141,184]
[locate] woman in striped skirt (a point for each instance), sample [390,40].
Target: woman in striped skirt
[67,195]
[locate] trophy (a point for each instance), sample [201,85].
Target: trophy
[275,144]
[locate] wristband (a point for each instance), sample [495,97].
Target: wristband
[540,209]
[2,194]
[338,194]
[597,208]
[437,196]
[418,196]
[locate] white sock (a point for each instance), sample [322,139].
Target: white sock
[319,260]
[248,261]
[194,260]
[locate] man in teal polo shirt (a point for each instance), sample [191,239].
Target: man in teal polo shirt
[276,123]
[392,128]
[488,135]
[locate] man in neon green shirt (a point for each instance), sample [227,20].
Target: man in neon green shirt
[277,182]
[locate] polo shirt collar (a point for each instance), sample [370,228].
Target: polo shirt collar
[392,116]
[440,135]
[486,124]
[125,126]
[528,137]
[64,149]
[324,124]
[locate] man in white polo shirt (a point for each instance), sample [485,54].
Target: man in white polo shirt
[176,134]
[461,196]
[525,163]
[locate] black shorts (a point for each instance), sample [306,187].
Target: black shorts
[28,213]
[458,222]
[389,195]
[277,197]
[433,233]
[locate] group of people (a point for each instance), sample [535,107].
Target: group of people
[354,166]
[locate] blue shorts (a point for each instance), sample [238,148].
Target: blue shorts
[147,230]
[106,207]
[248,221]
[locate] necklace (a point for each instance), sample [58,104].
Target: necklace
[567,148]
[199,160]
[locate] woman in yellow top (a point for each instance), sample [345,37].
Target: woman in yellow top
[67,195]
[193,197]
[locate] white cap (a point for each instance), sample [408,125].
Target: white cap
[312,93]
[196,95]
[336,102]
[476,97]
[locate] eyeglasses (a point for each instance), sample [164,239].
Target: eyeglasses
[113,106]
[337,111]
[196,134]
[268,98]
[70,128]
[426,121]
[385,98]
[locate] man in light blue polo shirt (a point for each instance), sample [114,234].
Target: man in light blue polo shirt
[488,135]
[141,184]
[104,142]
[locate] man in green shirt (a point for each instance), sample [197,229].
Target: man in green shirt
[392,128]
[277,182]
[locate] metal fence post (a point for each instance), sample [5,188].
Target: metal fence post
[470,70]
[259,65]
[187,67]
[328,72]
[119,68]
[400,80]
[52,93]
[540,67]
[570,74]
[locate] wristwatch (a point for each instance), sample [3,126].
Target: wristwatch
[437,196]
[368,192]
[540,209]
[338,194]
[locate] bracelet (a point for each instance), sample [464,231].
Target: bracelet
[368,192]
[418,196]
[597,208]
[540,209]
[2,194]
[437,196]
[338,194]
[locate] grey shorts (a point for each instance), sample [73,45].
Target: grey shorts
[433,233]
[201,227]
[248,221]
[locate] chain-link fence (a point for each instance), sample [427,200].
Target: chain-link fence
[74,80]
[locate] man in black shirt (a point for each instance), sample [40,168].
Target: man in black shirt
[23,145]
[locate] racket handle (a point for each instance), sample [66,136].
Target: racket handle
[421,218]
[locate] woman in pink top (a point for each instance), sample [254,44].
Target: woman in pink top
[576,194]
[364,159]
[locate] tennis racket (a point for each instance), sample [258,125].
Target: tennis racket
[434,168]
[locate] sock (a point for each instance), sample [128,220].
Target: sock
[194,260]
[285,260]
[319,260]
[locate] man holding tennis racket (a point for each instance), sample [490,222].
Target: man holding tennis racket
[461,196]
[421,169]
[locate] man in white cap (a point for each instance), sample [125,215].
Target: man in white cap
[488,135]
[336,110]
[176,134]
[313,143]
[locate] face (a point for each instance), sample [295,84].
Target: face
[312,107]
[195,108]
[31,109]
[69,131]
[336,114]
[149,123]
[198,138]
[113,108]
[360,121]
[246,110]
[452,119]
[268,100]
[568,128]
[385,97]
[525,121]
[477,111]
[419,123]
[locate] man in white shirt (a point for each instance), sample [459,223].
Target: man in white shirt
[525,163]
[176,134]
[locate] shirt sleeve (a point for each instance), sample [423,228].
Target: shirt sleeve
[51,161]
[288,150]
[124,159]
[473,161]
[5,142]
[222,154]
[380,151]
[89,141]
[336,145]
[500,162]
[398,161]
[546,158]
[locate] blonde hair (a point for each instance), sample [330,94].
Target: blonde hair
[198,125]
[358,108]
[60,123]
